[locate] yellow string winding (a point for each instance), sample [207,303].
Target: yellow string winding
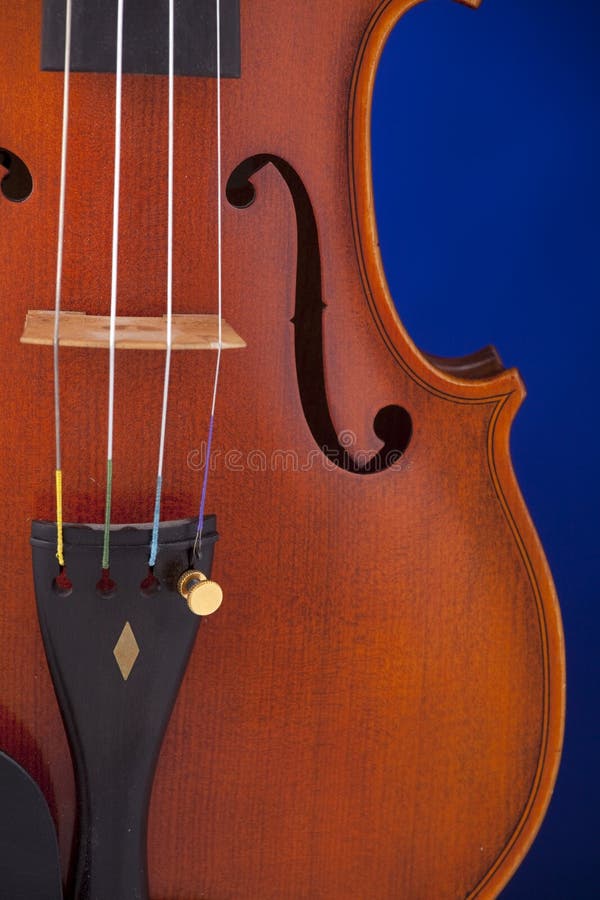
[59,519]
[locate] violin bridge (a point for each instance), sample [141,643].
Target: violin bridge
[77,329]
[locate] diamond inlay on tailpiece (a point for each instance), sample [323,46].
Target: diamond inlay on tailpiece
[126,651]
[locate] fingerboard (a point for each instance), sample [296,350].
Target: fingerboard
[145,31]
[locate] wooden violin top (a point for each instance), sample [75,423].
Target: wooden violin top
[377,708]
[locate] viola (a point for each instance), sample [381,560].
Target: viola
[198,335]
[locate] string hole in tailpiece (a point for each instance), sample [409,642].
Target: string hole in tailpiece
[106,587]
[62,584]
[150,585]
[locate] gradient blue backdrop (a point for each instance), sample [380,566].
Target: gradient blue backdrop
[486,142]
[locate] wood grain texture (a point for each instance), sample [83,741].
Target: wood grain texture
[377,708]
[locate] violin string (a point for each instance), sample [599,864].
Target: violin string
[163,423]
[113,287]
[198,541]
[58,295]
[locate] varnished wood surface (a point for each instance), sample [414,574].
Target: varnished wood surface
[377,708]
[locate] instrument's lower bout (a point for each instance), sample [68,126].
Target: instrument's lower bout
[116,662]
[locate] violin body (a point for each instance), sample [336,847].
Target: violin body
[377,708]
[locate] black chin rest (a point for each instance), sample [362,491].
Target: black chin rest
[29,862]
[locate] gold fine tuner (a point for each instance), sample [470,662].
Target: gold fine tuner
[203,596]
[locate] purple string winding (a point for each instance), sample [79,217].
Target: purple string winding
[204,484]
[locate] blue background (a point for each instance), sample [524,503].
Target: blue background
[486,150]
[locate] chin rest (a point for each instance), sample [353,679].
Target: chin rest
[29,862]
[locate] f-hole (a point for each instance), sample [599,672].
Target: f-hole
[392,424]
[16,183]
